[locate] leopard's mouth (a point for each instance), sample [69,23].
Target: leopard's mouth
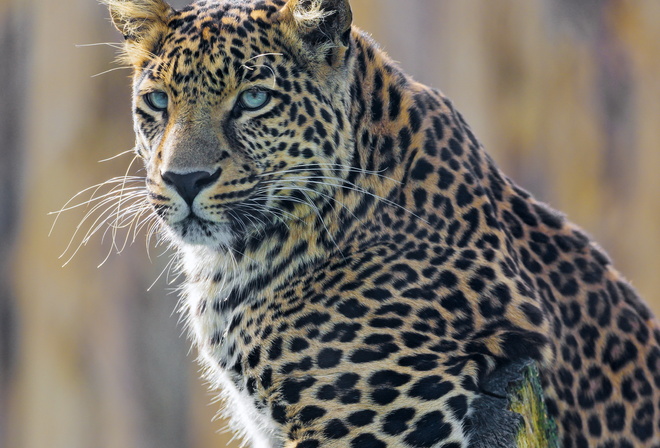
[236,221]
[228,218]
[196,231]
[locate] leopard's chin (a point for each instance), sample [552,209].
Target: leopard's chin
[194,231]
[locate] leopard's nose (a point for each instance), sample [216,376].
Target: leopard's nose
[188,185]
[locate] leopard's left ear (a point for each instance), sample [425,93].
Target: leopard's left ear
[143,23]
[323,25]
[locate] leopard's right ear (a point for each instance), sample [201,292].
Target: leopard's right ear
[143,23]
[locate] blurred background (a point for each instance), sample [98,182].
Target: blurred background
[564,93]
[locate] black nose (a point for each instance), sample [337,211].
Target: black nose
[189,185]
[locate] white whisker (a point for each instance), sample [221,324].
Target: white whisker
[346,168]
[111,70]
[128,151]
[93,187]
[352,187]
[262,55]
[116,45]
[166,270]
[318,214]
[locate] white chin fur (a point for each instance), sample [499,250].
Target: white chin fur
[218,236]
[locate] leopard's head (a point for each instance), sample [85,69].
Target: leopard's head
[240,110]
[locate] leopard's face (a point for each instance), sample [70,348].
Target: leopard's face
[239,130]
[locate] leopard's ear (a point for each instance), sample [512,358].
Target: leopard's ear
[324,26]
[143,23]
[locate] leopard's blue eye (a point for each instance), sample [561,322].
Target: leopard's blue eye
[157,100]
[254,99]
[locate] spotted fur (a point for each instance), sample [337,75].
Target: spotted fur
[356,265]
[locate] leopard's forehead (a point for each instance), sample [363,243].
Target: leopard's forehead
[236,17]
[212,46]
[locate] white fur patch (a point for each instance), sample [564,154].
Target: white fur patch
[201,264]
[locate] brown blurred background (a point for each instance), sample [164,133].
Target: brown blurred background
[564,93]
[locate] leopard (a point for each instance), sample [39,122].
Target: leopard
[357,268]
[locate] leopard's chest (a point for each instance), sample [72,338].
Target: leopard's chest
[221,350]
[254,423]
